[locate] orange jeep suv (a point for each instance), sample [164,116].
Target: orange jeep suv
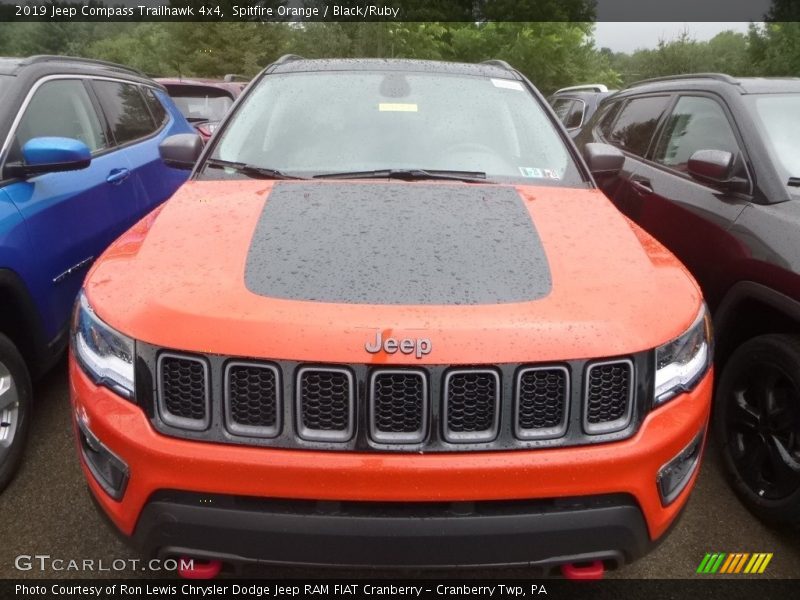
[390,321]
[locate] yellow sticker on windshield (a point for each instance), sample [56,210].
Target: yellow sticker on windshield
[396,107]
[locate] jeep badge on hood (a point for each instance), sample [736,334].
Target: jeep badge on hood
[419,347]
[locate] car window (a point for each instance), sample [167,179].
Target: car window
[636,123]
[696,123]
[125,110]
[569,111]
[605,115]
[315,123]
[156,108]
[778,117]
[60,108]
[198,103]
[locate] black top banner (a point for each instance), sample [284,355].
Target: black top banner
[467,11]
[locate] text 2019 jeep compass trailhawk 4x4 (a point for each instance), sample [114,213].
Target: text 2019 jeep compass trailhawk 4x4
[390,320]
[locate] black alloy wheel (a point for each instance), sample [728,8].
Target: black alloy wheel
[758,424]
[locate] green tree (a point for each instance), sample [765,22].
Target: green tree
[551,54]
[727,52]
[775,48]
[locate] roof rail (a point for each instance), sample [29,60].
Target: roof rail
[588,87]
[231,77]
[716,76]
[498,63]
[43,58]
[287,58]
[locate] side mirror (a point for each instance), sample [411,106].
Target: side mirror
[603,160]
[50,155]
[181,150]
[712,166]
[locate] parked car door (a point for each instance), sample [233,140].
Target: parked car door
[692,218]
[71,216]
[628,124]
[136,126]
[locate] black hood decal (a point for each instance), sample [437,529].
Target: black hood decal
[396,244]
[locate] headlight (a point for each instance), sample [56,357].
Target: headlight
[682,362]
[104,354]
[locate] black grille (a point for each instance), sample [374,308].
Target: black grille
[184,391]
[325,399]
[399,406]
[541,402]
[251,392]
[410,407]
[471,405]
[608,395]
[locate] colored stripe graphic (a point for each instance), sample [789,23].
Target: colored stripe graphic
[731,562]
[727,564]
[755,562]
[718,562]
[734,563]
[742,560]
[703,563]
[702,567]
[764,564]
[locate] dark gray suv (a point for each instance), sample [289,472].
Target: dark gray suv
[712,170]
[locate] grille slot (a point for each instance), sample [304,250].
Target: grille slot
[183,396]
[471,405]
[325,404]
[398,406]
[609,396]
[252,399]
[542,395]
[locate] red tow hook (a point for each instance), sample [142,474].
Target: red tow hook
[192,568]
[586,571]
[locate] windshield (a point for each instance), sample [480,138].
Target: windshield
[779,118]
[199,105]
[341,122]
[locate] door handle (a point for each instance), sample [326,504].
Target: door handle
[117,176]
[642,185]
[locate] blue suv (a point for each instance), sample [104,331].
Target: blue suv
[79,164]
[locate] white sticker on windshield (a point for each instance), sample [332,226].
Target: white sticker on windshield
[539,173]
[531,172]
[508,84]
[397,107]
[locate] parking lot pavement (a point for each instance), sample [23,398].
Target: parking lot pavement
[47,511]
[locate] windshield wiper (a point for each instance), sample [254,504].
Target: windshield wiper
[249,170]
[409,175]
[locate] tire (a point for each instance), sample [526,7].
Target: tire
[757,419]
[16,393]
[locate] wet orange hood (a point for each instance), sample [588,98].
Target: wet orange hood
[186,277]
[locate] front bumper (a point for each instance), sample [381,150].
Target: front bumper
[543,533]
[555,502]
